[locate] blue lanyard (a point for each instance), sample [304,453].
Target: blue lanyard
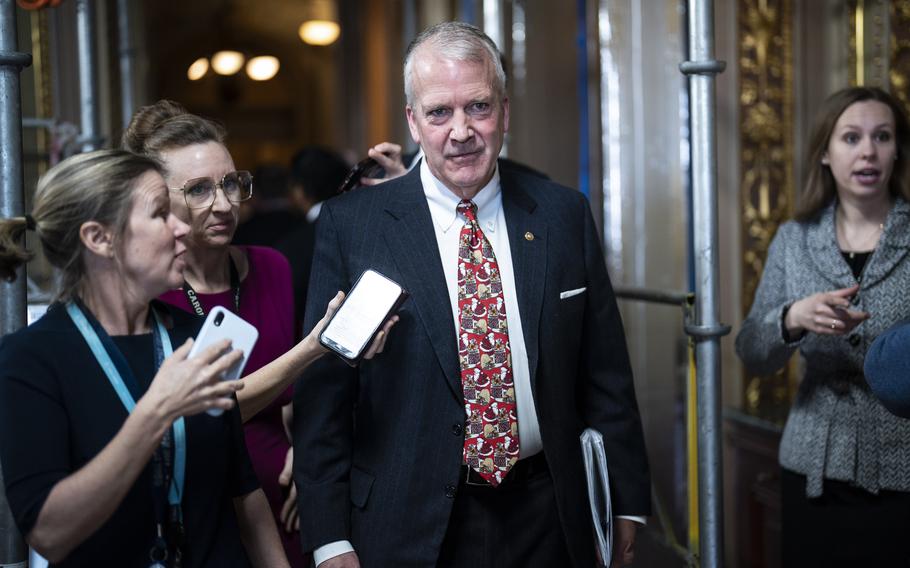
[104,359]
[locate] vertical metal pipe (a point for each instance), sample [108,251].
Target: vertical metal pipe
[127,53]
[494,27]
[466,11]
[493,22]
[581,73]
[707,329]
[409,25]
[12,294]
[88,84]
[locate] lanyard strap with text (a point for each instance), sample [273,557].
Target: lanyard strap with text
[103,356]
[193,298]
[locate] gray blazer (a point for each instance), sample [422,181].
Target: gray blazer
[836,429]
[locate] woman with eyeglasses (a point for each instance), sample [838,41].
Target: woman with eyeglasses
[206,190]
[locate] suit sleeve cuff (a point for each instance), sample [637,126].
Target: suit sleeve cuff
[639,520]
[331,550]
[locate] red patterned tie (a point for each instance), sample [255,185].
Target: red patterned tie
[491,436]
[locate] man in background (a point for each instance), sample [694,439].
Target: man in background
[315,175]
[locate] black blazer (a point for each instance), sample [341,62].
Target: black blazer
[378,449]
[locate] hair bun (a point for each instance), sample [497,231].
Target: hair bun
[146,122]
[166,125]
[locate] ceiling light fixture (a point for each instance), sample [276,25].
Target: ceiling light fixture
[321,25]
[262,68]
[198,69]
[227,62]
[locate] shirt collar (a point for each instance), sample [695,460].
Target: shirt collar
[313,213]
[443,203]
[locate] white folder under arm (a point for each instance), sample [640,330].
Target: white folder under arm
[596,474]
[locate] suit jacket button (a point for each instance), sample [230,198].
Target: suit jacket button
[457,429]
[854,339]
[450,491]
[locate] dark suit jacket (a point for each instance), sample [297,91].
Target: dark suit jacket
[378,449]
[297,246]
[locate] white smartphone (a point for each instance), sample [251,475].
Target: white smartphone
[373,299]
[223,324]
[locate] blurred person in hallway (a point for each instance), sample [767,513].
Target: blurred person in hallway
[316,173]
[835,278]
[273,215]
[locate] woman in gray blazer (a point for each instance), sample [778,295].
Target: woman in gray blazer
[835,278]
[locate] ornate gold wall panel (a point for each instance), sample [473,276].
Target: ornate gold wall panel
[869,58]
[766,160]
[852,58]
[900,51]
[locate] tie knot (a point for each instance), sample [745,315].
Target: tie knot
[468,209]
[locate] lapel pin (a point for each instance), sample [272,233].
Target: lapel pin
[529,236]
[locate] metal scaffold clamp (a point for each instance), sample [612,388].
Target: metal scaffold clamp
[707,331]
[15,59]
[708,67]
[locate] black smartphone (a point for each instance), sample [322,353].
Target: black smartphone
[367,167]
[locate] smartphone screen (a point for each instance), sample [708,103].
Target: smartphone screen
[364,310]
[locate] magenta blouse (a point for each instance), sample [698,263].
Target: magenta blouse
[267,302]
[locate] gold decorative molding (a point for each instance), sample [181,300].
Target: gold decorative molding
[766,160]
[869,55]
[853,9]
[43,81]
[899,76]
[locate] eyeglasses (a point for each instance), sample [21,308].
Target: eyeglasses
[199,193]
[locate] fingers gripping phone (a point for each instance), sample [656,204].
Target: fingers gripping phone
[373,299]
[222,324]
[368,167]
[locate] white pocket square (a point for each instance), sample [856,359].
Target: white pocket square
[570,293]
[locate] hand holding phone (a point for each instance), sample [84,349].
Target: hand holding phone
[223,324]
[371,302]
[365,168]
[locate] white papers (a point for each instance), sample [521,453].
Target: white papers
[596,474]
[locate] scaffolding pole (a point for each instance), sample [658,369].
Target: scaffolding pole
[707,330]
[13,552]
[127,53]
[88,84]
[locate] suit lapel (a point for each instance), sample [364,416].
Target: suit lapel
[892,246]
[410,237]
[527,230]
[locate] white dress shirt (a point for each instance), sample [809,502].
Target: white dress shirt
[447,224]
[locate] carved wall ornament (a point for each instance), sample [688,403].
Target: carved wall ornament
[899,76]
[766,161]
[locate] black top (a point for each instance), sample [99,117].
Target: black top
[857,262]
[58,411]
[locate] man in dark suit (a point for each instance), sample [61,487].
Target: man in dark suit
[509,346]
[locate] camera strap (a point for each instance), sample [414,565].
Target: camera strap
[193,298]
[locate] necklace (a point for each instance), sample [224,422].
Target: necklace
[865,243]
